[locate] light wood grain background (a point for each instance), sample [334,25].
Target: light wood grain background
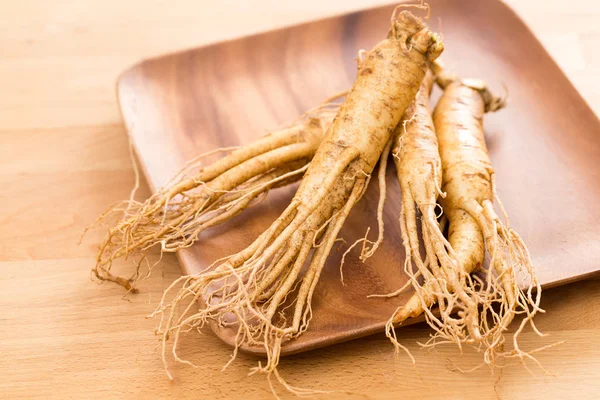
[64,158]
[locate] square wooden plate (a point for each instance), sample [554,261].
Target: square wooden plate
[545,146]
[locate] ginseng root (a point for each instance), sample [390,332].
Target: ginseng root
[174,216]
[419,170]
[260,291]
[509,286]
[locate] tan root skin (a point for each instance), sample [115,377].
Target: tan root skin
[248,290]
[419,171]
[196,200]
[468,181]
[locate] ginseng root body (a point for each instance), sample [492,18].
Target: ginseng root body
[473,224]
[419,170]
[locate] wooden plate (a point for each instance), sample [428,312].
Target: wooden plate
[545,146]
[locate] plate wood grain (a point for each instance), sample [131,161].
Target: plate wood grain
[545,146]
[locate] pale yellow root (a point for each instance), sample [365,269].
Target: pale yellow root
[509,286]
[419,172]
[369,247]
[253,291]
[368,252]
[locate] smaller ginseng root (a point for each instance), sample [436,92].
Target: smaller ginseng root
[419,170]
[509,286]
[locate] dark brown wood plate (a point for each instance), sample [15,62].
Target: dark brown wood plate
[545,146]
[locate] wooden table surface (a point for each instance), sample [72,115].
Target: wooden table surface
[64,158]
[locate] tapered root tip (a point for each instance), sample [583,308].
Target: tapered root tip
[406,312]
[127,285]
[107,276]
